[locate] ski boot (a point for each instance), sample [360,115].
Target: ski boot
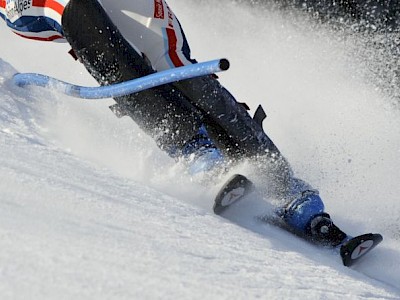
[305,216]
[201,155]
[324,232]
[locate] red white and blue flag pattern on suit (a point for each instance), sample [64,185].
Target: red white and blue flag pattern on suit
[34,19]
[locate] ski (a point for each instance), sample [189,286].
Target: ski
[351,250]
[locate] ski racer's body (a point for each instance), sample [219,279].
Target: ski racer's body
[152,30]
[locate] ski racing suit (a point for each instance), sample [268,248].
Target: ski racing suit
[152,30]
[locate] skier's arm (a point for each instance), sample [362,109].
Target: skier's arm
[34,19]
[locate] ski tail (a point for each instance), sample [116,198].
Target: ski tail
[355,248]
[235,189]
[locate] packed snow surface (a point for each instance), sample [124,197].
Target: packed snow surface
[90,208]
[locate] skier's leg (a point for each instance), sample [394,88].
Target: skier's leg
[172,115]
[163,113]
[154,30]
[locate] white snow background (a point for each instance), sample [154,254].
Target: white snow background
[90,208]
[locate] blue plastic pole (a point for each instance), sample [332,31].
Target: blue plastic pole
[123,88]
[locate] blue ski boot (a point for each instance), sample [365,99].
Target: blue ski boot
[305,216]
[201,154]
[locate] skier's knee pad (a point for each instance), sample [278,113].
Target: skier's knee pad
[301,211]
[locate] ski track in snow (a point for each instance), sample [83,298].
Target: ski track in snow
[90,208]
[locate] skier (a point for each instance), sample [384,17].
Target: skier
[197,119]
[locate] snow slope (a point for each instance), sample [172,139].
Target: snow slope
[90,208]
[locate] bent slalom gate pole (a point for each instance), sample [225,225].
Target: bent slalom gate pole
[123,88]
